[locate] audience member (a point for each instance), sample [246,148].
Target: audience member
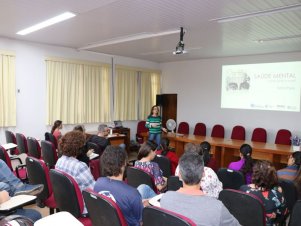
[84,153]
[293,165]
[297,182]
[264,186]
[209,161]
[245,164]
[190,201]
[113,165]
[56,129]
[145,156]
[210,184]
[70,145]
[169,153]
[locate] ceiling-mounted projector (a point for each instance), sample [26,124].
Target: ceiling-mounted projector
[180,47]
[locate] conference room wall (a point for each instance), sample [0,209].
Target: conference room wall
[198,85]
[31,81]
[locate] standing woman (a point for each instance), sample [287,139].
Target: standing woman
[154,124]
[56,129]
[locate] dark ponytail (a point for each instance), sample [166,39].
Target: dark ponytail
[246,151]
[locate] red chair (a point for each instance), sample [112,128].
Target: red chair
[183,128]
[238,133]
[200,129]
[218,131]
[283,136]
[11,138]
[68,196]
[38,173]
[155,216]
[141,129]
[49,153]
[22,143]
[34,148]
[20,170]
[259,135]
[103,210]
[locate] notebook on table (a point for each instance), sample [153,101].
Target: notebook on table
[17,202]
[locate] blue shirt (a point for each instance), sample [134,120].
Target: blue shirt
[127,198]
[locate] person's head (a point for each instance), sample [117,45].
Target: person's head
[295,159]
[165,146]
[245,151]
[113,161]
[80,128]
[246,154]
[191,168]
[155,110]
[190,147]
[205,146]
[72,143]
[147,149]
[264,175]
[102,129]
[58,124]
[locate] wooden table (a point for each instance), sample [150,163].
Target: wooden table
[226,150]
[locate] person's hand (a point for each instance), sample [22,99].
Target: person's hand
[145,203]
[164,130]
[154,124]
[4,196]
[90,152]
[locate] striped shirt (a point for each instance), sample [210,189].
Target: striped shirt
[288,173]
[154,119]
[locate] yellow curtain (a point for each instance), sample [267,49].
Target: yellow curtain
[126,94]
[77,92]
[150,87]
[7,90]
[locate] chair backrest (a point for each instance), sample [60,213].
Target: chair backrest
[34,148]
[49,153]
[295,215]
[67,194]
[136,176]
[183,128]
[283,136]
[11,138]
[164,164]
[38,173]
[241,205]
[218,131]
[155,216]
[289,192]
[259,135]
[173,183]
[22,143]
[141,129]
[4,156]
[51,138]
[230,178]
[238,133]
[200,129]
[103,210]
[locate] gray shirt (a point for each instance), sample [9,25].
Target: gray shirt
[201,209]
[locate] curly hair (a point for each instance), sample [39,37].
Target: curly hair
[112,161]
[264,175]
[72,143]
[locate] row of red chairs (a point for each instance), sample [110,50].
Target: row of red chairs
[238,132]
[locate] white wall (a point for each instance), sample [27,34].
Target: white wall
[31,81]
[198,85]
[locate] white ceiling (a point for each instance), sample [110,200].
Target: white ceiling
[100,20]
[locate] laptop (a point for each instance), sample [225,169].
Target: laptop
[118,124]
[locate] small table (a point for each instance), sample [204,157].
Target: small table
[59,219]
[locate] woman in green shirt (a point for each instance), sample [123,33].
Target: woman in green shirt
[154,124]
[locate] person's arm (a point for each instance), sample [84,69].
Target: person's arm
[4,196]
[147,123]
[159,180]
[85,178]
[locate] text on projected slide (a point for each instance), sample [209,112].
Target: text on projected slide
[268,86]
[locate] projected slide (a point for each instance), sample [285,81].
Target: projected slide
[269,86]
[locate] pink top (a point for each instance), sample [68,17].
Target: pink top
[57,134]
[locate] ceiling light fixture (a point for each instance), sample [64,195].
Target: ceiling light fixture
[277,38]
[46,23]
[258,13]
[128,38]
[181,45]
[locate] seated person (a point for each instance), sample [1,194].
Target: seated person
[168,153]
[293,165]
[264,186]
[245,164]
[210,184]
[113,164]
[209,161]
[70,145]
[190,201]
[145,156]
[30,213]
